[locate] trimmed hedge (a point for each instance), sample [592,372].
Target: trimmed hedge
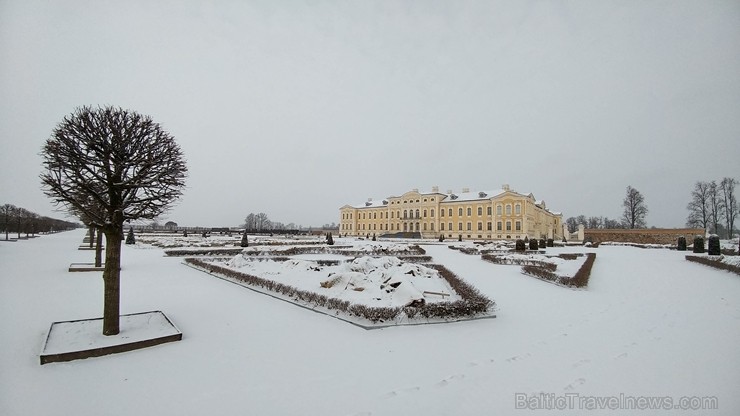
[580,279]
[518,262]
[714,263]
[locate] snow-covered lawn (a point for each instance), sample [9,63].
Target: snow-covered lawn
[650,323]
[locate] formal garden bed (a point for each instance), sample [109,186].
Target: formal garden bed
[569,270]
[368,291]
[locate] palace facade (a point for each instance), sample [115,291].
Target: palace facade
[481,215]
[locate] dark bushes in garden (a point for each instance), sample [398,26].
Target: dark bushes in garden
[533,244]
[519,245]
[698,244]
[681,244]
[714,249]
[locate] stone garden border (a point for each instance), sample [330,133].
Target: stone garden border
[63,341]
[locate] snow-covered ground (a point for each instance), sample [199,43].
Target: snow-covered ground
[649,324]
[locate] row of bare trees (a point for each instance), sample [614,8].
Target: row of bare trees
[713,206]
[18,220]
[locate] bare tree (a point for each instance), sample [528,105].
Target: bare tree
[595,222]
[635,209]
[729,203]
[124,162]
[6,214]
[715,206]
[699,211]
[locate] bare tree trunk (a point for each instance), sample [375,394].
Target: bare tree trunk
[98,249]
[112,280]
[92,235]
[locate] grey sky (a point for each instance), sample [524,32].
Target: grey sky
[296,108]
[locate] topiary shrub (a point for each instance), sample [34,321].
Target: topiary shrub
[245,240]
[459,237]
[519,245]
[714,249]
[681,244]
[543,244]
[441,238]
[329,239]
[526,239]
[698,244]
[550,242]
[185,233]
[533,245]
[374,239]
[130,239]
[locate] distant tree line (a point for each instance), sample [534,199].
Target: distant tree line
[260,222]
[713,207]
[633,216]
[18,220]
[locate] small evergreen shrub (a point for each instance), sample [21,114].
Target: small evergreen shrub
[526,239]
[698,244]
[459,237]
[184,233]
[713,243]
[374,239]
[519,245]
[441,238]
[130,239]
[245,240]
[329,239]
[543,243]
[550,242]
[681,244]
[533,245]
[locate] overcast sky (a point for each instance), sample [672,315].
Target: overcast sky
[295,108]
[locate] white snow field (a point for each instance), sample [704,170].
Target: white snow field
[650,324]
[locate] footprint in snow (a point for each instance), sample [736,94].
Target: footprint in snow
[450,379]
[577,382]
[580,363]
[622,355]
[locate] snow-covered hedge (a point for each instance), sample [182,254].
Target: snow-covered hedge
[472,302]
[731,264]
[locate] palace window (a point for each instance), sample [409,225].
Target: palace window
[450,212]
[508,225]
[459,212]
[499,226]
[470,211]
[489,210]
[480,210]
[450,225]
[518,225]
[490,226]
[441,226]
[508,209]
[470,226]
[459,226]
[498,209]
[431,212]
[517,209]
[480,226]
[442,212]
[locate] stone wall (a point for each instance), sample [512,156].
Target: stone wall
[642,236]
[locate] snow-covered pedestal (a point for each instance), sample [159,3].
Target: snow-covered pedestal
[74,340]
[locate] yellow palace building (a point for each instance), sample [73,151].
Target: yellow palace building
[477,215]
